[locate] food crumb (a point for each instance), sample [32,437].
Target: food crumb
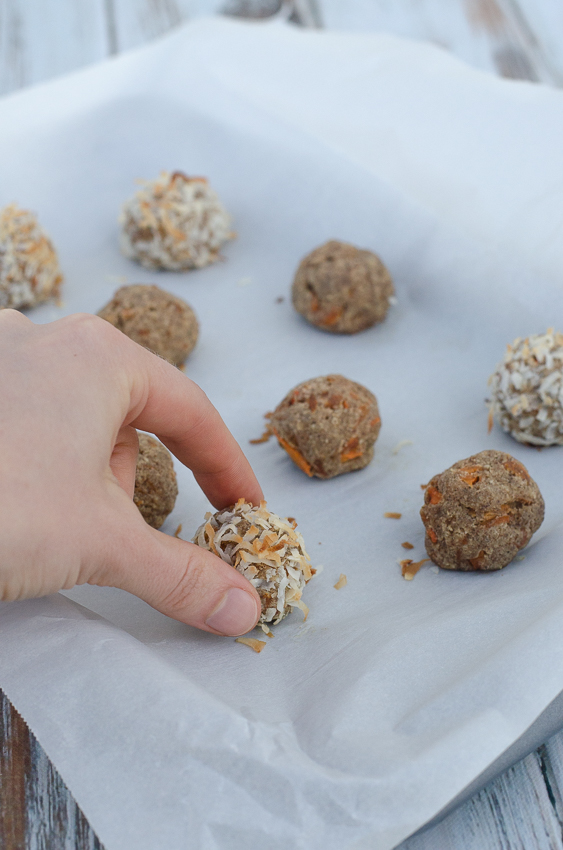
[434,569]
[342,582]
[407,545]
[521,558]
[263,439]
[280,299]
[178,530]
[409,568]
[392,515]
[253,643]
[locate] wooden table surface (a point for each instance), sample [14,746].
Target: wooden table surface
[523,39]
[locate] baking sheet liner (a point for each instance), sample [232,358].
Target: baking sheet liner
[354,728]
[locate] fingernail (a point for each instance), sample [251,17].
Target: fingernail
[236,614]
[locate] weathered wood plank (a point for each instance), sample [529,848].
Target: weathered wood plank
[542,25]
[514,812]
[42,38]
[37,812]
[490,34]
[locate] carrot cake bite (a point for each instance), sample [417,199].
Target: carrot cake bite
[327,425]
[342,289]
[29,267]
[155,481]
[155,319]
[266,549]
[175,222]
[480,512]
[527,390]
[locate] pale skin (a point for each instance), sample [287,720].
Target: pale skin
[72,394]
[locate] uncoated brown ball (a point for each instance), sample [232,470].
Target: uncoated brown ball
[342,289]
[327,425]
[480,512]
[155,481]
[155,319]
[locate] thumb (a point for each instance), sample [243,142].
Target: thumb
[179,579]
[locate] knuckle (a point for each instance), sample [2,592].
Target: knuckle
[189,586]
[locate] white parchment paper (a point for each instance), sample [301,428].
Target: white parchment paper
[355,728]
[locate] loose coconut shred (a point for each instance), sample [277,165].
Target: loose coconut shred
[267,550]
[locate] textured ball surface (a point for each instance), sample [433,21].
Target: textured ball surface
[155,319]
[480,512]
[266,549]
[342,289]
[527,390]
[29,268]
[155,481]
[174,222]
[328,425]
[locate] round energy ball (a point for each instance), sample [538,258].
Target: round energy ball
[266,549]
[174,222]
[155,319]
[327,425]
[480,512]
[155,481]
[527,390]
[29,268]
[342,289]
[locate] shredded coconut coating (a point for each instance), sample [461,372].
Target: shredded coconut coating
[174,222]
[266,549]
[29,268]
[527,390]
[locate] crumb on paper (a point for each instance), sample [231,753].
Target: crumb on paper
[342,582]
[434,569]
[401,445]
[490,422]
[521,558]
[244,281]
[392,515]
[409,568]
[253,643]
[178,530]
[280,299]
[407,545]
[264,438]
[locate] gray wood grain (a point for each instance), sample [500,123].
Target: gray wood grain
[37,812]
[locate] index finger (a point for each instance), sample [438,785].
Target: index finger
[167,403]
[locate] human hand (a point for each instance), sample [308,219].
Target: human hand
[72,393]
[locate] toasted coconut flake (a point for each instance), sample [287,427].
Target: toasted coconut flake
[264,438]
[253,643]
[410,568]
[392,515]
[266,549]
[342,582]
[407,545]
